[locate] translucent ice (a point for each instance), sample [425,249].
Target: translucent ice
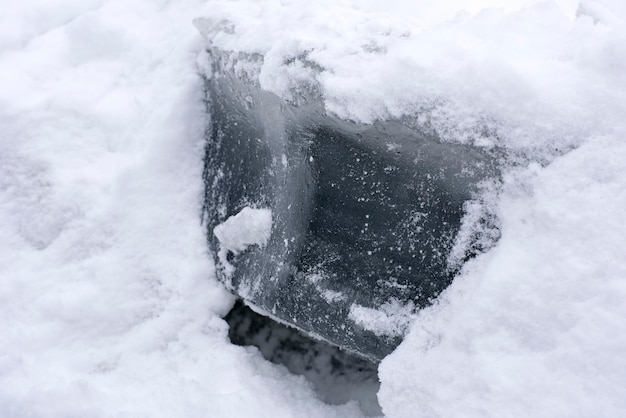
[364,216]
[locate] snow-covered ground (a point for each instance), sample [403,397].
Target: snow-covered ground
[108,302]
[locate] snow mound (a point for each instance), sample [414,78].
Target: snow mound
[535,326]
[532,327]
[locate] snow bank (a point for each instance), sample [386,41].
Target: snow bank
[108,302]
[535,326]
[248,227]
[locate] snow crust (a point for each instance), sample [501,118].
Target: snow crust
[108,302]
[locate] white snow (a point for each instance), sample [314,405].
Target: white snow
[108,301]
[392,318]
[534,327]
[248,227]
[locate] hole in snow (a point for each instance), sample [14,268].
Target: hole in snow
[337,376]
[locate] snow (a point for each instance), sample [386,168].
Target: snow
[535,326]
[109,304]
[525,76]
[248,227]
[392,319]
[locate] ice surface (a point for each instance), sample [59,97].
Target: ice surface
[108,303]
[365,215]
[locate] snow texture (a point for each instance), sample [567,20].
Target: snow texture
[391,319]
[248,227]
[108,302]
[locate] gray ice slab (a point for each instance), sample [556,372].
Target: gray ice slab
[363,214]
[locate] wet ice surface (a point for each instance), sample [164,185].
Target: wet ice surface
[365,216]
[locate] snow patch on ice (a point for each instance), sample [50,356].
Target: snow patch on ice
[392,319]
[248,227]
[480,226]
[317,279]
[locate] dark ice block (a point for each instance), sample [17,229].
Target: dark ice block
[363,215]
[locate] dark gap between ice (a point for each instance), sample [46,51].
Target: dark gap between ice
[337,376]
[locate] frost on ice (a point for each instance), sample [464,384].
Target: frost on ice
[392,319]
